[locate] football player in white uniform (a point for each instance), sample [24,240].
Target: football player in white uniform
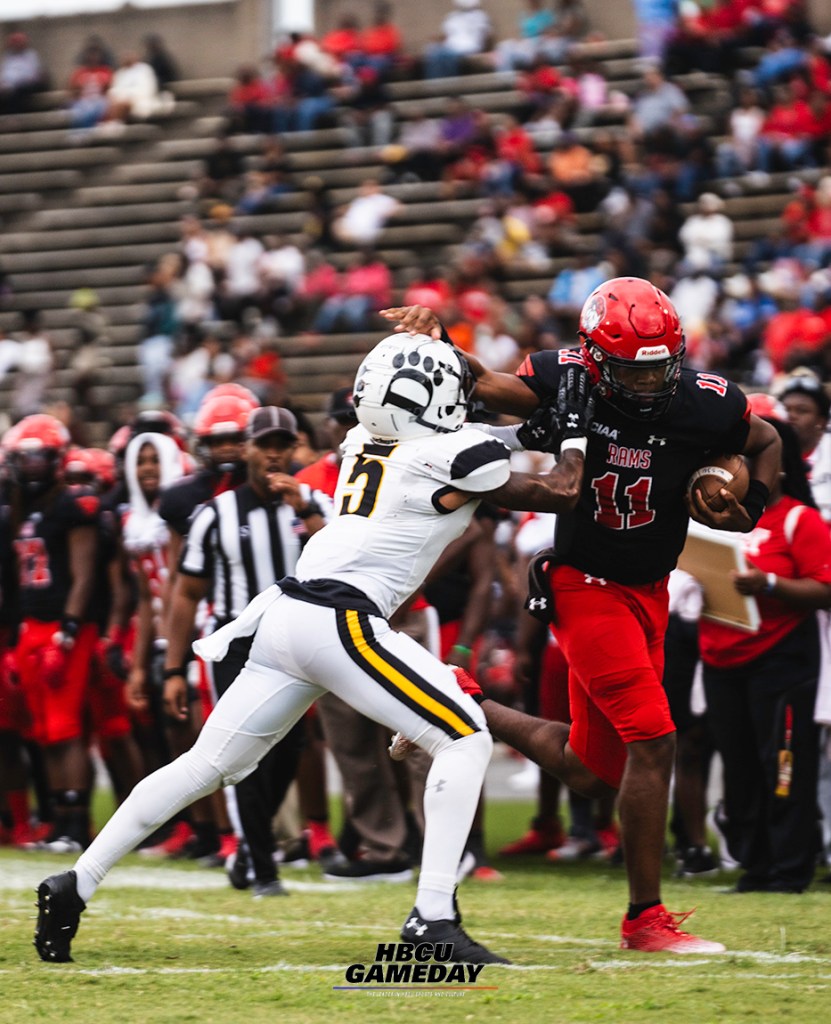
[409,482]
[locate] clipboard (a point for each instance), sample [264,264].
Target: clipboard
[709,556]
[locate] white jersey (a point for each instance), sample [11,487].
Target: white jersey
[389,527]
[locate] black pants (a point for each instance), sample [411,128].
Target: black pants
[774,837]
[260,794]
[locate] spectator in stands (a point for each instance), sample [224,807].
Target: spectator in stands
[534,24]
[159,327]
[134,92]
[21,74]
[249,102]
[35,363]
[781,59]
[320,282]
[366,288]
[785,139]
[344,42]
[240,287]
[87,86]
[317,225]
[301,95]
[381,43]
[656,22]
[95,41]
[361,221]
[574,171]
[160,60]
[222,171]
[572,286]
[466,31]
[658,105]
[707,234]
[739,152]
[707,38]
[415,155]
[282,269]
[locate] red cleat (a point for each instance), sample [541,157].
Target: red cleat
[174,845]
[537,840]
[656,931]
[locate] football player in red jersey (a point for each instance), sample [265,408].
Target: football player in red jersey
[54,530]
[654,423]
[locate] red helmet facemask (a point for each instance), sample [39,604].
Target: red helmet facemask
[633,346]
[36,448]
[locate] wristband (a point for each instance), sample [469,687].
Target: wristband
[310,510]
[755,500]
[172,673]
[70,625]
[577,443]
[462,649]
[772,581]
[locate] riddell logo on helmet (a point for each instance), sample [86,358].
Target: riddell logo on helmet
[653,352]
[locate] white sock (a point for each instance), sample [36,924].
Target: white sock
[451,794]
[152,802]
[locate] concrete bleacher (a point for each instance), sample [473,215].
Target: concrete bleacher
[95,214]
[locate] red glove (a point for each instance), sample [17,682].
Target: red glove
[53,659]
[467,683]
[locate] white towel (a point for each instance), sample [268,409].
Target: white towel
[215,646]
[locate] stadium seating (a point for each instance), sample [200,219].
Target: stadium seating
[95,214]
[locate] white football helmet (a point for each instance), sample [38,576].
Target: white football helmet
[411,385]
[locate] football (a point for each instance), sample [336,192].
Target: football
[728,471]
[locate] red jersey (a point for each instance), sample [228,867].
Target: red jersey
[321,475]
[794,545]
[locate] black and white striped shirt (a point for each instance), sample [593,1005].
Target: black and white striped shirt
[242,546]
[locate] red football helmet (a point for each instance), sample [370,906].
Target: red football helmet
[221,414]
[626,325]
[91,466]
[768,406]
[160,421]
[36,448]
[234,390]
[221,418]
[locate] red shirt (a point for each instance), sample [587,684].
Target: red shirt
[381,40]
[321,475]
[806,556]
[791,120]
[798,328]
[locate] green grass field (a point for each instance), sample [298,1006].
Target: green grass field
[172,942]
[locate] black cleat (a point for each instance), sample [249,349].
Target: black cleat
[238,868]
[465,950]
[59,913]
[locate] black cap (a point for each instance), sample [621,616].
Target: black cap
[342,407]
[806,384]
[271,420]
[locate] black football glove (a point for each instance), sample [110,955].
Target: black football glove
[575,403]
[541,431]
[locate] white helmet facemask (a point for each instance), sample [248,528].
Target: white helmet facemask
[410,386]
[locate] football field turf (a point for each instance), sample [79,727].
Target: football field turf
[173,942]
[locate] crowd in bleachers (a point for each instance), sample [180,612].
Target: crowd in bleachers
[581,182]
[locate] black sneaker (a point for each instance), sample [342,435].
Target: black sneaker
[697,862]
[465,950]
[273,888]
[295,853]
[59,912]
[369,871]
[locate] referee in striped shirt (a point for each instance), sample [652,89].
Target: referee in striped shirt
[238,544]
